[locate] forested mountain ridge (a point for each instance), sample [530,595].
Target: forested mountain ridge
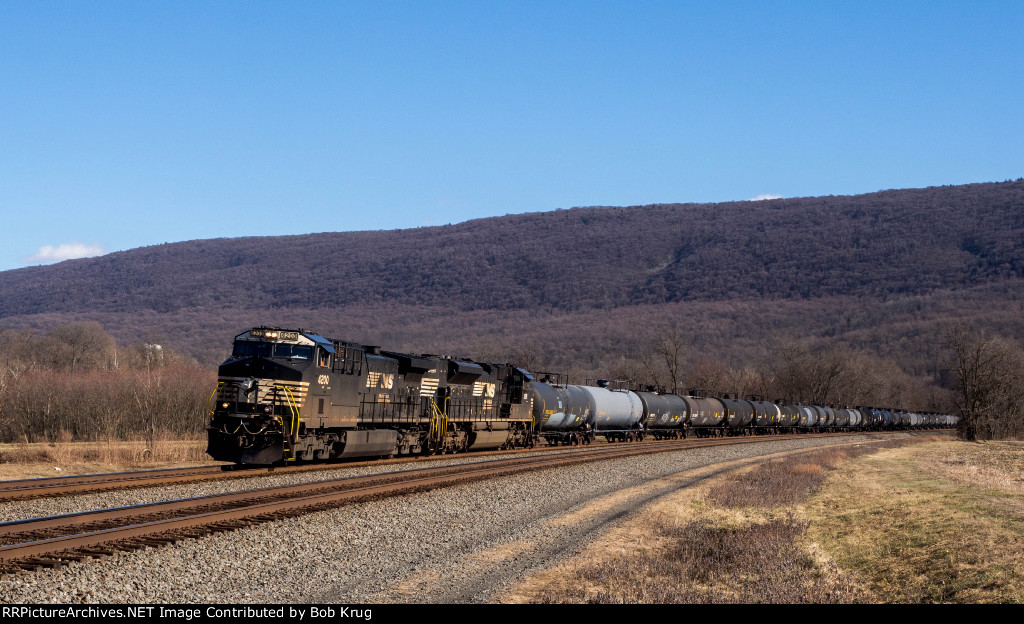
[585,289]
[874,245]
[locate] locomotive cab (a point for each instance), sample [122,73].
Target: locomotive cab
[262,390]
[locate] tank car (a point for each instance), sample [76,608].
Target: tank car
[571,414]
[738,415]
[562,413]
[618,413]
[666,415]
[808,417]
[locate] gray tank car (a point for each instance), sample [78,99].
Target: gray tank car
[618,414]
[562,414]
[738,414]
[766,415]
[667,415]
[808,417]
[707,415]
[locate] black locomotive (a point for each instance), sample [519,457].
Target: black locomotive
[293,395]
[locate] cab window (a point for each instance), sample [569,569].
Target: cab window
[243,348]
[296,352]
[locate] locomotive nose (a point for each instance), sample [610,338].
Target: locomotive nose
[249,386]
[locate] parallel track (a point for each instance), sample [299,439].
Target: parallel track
[52,541]
[50,487]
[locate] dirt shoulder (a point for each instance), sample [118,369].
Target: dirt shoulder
[926,521]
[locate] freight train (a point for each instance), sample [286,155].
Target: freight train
[287,396]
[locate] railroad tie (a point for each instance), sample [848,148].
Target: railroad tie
[97,553]
[35,564]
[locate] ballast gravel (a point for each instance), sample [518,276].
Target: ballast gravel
[17,510]
[458,544]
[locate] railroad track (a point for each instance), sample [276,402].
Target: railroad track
[48,487]
[55,540]
[22,489]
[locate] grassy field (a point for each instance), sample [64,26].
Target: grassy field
[933,523]
[46,459]
[927,520]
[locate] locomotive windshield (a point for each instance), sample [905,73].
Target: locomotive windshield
[270,349]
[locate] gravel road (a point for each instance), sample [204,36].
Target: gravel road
[460,544]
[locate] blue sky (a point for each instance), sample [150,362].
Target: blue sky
[124,124]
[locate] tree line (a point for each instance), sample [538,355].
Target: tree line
[75,382]
[789,370]
[978,376]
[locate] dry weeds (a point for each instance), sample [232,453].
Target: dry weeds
[63,457]
[890,522]
[941,522]
[789,480]
[701,563]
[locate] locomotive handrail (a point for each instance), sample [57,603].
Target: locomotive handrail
[210,403]
[438,421]
[294,410]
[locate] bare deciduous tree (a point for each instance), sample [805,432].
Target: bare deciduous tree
[79,346]
[709,378]
[990,387]
[672,348]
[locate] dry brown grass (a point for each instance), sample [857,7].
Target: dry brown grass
[878,522]
[941,522]
[685,549]
[789,480]
[36,459]
[702,563]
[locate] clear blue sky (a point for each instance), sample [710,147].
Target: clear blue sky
[125,124]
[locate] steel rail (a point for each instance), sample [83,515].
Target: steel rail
[49,487]
[294,500]
[241,509]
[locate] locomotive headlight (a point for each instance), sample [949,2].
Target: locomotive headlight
[267,409]
[224,405]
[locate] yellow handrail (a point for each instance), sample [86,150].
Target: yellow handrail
[438,421]
[294,410]
[209,402]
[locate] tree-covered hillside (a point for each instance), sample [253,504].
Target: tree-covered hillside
[580,289]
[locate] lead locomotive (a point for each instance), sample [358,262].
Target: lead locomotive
[291,395]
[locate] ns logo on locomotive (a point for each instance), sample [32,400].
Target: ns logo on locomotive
[293,395]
